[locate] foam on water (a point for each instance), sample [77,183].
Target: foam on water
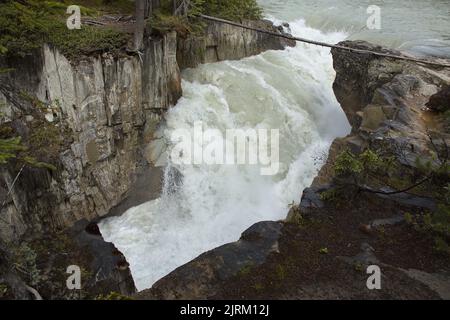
[288,90]
[420,27]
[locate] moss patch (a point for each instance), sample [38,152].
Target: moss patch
[27,25]
[231,9]
[164,23]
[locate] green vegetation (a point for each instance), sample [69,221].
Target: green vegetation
[27,25]
[354,171]
[3,290]
[54,253]
[246,269]
[25,263]
[363,166]
[9,149]
[431,178]
[164,23]
[235,10]
[9,146]
[230,9]
[330,195]
[370,169]
[45,140]
[436,223]
[281,272]
[12,148]
[258,286]
[439,177]
[359,267]
[109,6]
[89,39]
[297,218]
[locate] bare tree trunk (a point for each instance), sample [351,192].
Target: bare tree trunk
[175,6]
[149,7]
[140,24]
[153,5]
[156,4]
[181,8]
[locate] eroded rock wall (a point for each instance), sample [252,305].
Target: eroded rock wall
[91,120]
[226,42]
[109,108]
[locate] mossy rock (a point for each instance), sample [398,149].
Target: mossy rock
[372,118]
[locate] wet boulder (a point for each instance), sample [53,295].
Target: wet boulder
[440,102]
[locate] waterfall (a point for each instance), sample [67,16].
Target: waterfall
[205,206]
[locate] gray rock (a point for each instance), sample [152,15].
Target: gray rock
[104,102]
[226,42]
[202,277]
[311,199]
[440,101]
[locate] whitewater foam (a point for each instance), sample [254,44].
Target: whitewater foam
[208,206]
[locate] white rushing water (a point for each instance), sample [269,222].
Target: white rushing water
[288,90]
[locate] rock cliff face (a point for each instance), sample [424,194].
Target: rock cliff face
[91,119]
[385,102]
[101,111]
[323,248]
[108,107]
[226,42]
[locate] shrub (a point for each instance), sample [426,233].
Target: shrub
[361,165]
[227,9]
[25,263]
[436,224]
[165,23]
[9,149]
[363,169]
[230,9]
[235,10]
